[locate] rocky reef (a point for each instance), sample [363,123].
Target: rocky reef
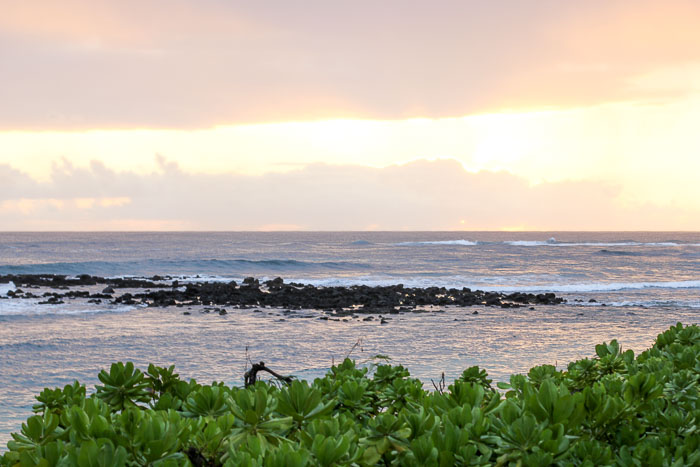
[164,291]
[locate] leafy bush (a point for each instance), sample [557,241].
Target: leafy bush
[613,409]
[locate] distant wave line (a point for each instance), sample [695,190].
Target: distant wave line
[694,304]
[174,266]
[535,243]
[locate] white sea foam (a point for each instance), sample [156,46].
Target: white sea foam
[552,242]
[591,287]
[597,287]
[182,278]
[206,278]
[497,284]
[610,287]
[442,242]
[529,243]
[622,244]
[19,307]
[5,288]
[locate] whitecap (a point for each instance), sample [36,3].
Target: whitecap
[528,243]
[32,307]
[442,242]
[553,242]
[5,288]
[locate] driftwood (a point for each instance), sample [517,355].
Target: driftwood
[252,374]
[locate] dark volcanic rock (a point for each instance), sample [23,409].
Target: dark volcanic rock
[61,281]
[275,284]
[251,282]
[341,301]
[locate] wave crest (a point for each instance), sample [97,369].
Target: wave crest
[440,242]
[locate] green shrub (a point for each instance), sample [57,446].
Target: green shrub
[612,409]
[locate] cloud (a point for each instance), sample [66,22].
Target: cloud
[421,195]
[79,64]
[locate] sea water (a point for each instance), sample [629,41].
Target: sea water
[625,286]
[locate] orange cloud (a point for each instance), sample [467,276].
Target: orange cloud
[28,206]
[624,34]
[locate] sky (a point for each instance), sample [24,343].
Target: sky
[362,115]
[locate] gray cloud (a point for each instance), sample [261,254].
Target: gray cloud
[422,195]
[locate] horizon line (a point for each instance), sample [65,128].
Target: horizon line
[344,231]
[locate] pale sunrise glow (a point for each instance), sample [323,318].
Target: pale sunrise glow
[600,143]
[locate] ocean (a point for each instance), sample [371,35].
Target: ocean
[628,286]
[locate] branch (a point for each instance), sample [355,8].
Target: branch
[252,374]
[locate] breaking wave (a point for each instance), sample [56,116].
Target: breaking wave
[7,287]
[594,244]
[550,242]
[442,242]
